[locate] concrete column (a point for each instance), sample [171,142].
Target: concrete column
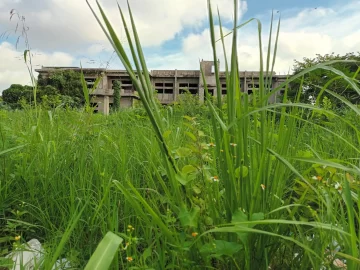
[100,102]
[106,105]
[176,87]
[245,88]
[105,82]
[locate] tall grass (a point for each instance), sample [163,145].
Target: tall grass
[243,186]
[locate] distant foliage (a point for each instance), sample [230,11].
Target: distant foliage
[66,82]
[16,92]
[60,88]
[319,77]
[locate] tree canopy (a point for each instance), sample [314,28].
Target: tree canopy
[314,80]
[61,87]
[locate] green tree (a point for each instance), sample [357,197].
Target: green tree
[17,92]
[117,95]
[67,83]
[313,81]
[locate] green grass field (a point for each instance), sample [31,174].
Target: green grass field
[231,184]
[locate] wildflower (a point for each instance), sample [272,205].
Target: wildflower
[17,238]
[318,178]
[194,234]
[339,264]
[233,144]
[211,144]
[130,228]
[129,259]
[215,178]
[126,246]
[338,186]
[263,186]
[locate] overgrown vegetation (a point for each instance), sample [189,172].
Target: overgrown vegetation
[232,185]
[60,88]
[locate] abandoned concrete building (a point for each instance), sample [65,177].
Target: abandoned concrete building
[169,84]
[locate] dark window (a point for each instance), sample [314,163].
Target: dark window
[169,85]
[254,86]
[193,91]
[159,84]
[195,85]
[168,91]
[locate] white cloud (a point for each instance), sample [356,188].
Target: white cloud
[69,24]
[13,69]
[303,34]
[70,27]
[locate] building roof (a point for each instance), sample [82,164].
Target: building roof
[155,73]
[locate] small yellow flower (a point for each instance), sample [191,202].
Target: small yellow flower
[194,234]
[211,144]
[215,178]
[17,238]
[263,186]
[129,259]
[233,144]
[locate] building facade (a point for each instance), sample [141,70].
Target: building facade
[169,84]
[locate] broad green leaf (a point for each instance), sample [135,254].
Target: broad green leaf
[191,136]
[221,248]
[105,252]
[239,216]
[196,189]
[183,152]
[245,171]
[188,169]
[256,217]
[189,218]
[183,178]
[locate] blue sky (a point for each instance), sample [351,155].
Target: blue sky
[174,33]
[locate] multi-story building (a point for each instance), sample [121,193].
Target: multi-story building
[169,84]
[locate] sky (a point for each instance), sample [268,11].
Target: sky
[174,33]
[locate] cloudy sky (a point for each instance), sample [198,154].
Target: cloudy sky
[174,33]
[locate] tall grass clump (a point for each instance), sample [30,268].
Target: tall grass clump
[245,196]
[238,183]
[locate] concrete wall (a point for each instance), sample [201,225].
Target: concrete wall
[170,83]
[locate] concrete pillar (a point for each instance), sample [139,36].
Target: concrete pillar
[176,87]
[105,82]
[245,88]
[106,105]
[100,102]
